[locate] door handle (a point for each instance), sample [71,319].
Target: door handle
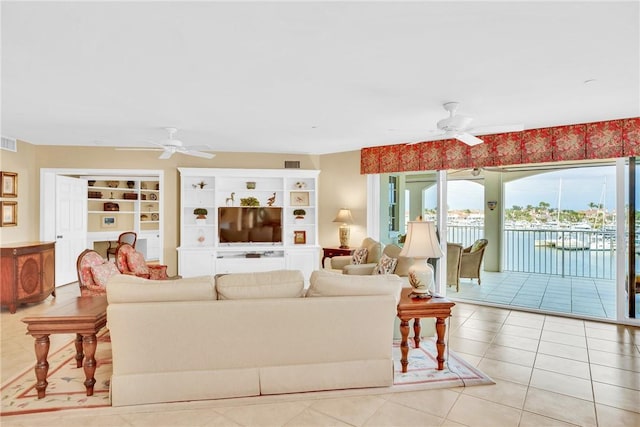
[59,237]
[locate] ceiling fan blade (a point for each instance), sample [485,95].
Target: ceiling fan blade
[468,139]
[199,148]
[197,154]
[491,129]
[137,149]
[167,154]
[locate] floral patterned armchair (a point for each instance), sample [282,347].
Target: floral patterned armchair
[130,261]
[93,273]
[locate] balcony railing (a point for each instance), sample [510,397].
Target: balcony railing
[578,253]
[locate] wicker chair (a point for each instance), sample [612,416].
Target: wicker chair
[454,255]
[472,259]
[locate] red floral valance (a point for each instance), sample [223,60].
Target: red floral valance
[598,140]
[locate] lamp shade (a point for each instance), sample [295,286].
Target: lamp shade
[421,241]
[344,216]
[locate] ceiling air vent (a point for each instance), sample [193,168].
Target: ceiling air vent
[9,144]
[292,164]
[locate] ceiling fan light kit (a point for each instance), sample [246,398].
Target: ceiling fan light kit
[458,126]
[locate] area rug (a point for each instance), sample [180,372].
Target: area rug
[66,382]
[422,372]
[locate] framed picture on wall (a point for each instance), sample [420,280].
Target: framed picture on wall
[9,184]
[9,214]
[299,198]
[299,237]
[108,221]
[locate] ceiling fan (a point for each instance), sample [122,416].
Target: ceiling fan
[170,146]
[459,126]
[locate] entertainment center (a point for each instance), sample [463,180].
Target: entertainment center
[243,220]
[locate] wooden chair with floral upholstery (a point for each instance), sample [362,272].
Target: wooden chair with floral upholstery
[93,273]
[129,261]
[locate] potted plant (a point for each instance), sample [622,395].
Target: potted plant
[201,215]
[249,201]
[299,213]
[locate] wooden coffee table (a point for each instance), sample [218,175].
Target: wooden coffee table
[410,308]
[83,316]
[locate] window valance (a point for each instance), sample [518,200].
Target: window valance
[597,140]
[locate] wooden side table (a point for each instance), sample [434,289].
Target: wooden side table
[331,252]
[83,316]
[409,308]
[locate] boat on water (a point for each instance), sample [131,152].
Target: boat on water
[600,242]
[572,243]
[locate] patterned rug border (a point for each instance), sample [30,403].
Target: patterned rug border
[421,375]
[22,386]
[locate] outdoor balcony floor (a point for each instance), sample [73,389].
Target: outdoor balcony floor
[576,296]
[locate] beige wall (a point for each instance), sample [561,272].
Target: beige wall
[340,184]
[23,163]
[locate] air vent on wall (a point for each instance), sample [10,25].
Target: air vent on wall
[292,164]
[9,144]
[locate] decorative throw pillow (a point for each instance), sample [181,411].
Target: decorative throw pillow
[101,273]
[137,264]
[359,256]
[386,265]
[477,245]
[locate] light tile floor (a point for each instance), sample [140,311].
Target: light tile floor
[549,371]
[581,296]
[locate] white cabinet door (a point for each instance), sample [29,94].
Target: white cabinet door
[196,262]
[306,260]
[151,249]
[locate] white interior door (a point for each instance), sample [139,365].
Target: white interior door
[71,226]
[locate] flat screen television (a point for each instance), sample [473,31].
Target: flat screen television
[250,224]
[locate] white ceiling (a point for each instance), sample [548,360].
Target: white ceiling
[309,77]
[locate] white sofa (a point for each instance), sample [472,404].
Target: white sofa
[249,334]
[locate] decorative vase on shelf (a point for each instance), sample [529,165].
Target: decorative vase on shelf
[131,184]
[201,237]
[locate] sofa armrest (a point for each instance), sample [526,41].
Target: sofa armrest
[337,262]
[359,269]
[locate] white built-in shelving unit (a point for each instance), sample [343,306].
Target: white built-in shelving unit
[202,253]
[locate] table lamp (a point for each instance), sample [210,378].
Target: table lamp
[344,216]
[421,244]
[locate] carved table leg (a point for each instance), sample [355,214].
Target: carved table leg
[404,345]
[417,328]
[42,366]
[79,353]
[440,343]
[89,344]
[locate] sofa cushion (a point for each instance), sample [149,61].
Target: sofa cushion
[267,284]
[101,273]
[127,288]
[386,265]
[325,283]
[359,256]
[137,264]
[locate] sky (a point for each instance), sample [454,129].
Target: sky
[574,189]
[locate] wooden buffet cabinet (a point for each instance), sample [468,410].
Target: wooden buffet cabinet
[27,272]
